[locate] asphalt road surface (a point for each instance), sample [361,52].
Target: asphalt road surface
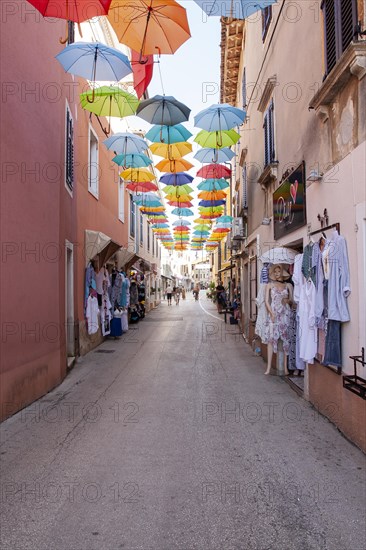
[173,439]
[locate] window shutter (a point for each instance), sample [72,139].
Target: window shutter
[70,32]
[266,144]
[271,133]
[69,150]
[245,187]
[348,22]
[330,34]
[244,90]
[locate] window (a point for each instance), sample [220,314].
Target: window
[121,200]
[93,172]
[69,150]
[141,227]
[268,126]
[245,186]
[148,236]
[266,19]
[340,19]
[244,88]
[132,217]
[70,32]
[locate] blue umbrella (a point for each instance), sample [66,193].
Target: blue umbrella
[219,117]
[177,179]
[132,160]
[238,9]
[126,143]
[213,185]
[94,61]
[168,134]
[181,222]
[204,233]
[164,110]
[182,212]
[161,225]
[225,219]
[212,203]
[206,154]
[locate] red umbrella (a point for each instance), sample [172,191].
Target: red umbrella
[72,10]
[142,187]
[142,72]
[214,171]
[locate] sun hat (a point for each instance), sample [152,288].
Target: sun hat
[284,274]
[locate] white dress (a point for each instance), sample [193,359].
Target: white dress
[307,326]
[91,314]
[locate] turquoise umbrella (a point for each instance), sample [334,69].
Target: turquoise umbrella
[168,134]
[182,212]
[134,160]
[213,184]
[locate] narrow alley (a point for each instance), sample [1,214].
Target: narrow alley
[172,438]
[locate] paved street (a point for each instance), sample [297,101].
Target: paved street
[172,438]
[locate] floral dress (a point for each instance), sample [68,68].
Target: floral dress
[280,328]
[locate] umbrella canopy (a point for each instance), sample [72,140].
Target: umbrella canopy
[161,226]
[142,187]
[200,221]
[126,143]
[226,219]
[94,61]
[109,101]
[138,175]
[168,134]
[150,26]
[178,178]
[212,195]
[182,189]
[238,9]
[212,203]
[219,117]
[209,154]
[217,139]
[142,72]
[134,160]
[175,165]
[181,204]
[171,151]
[182,198]
[213,185]
[163,110]
[279,255]
[181,222]
[214,171]
[72,10]
[182,212]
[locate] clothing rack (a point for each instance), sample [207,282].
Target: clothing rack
[355,383]
[336,225]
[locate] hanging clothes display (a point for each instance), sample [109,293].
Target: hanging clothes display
[90,283]
[92,314]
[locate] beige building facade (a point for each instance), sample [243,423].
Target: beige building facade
[299,71]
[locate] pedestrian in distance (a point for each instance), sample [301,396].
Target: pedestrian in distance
[220,297]
[169,292]
[183,293]
[177,296]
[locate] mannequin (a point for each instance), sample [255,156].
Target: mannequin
[278,301]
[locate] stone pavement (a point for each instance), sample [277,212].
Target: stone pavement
[171,438]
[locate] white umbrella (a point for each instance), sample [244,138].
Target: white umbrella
[279,255]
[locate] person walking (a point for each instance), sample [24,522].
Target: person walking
[169,292]
[177,296]
[220,296]
[183,293]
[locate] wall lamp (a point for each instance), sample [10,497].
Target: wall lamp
[314,176]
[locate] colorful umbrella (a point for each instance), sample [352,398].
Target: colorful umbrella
[168,134]
[150,27]
[142,72]
[217,139]
[214,171]
[94,61]
[178,178]
[182,189]
[212,195]
[211,203]
[109,101]
[213,185]
[219,117]
[137,175]
[134,160]
[126,143]
[181,222]
[208,154]
[176,165]
[163,110]
[181,204]
[144,187]
[171,151]
[182,212]
[238,9]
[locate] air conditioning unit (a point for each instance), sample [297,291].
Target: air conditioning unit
[231,242]
[237,229]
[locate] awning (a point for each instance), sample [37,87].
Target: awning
[125,259]
[99,246]
[225,269]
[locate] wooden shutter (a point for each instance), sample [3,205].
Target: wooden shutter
[348,22]
[69,150]
[266,144]
[70,32]
[244,88]
[330,34]
[271,133]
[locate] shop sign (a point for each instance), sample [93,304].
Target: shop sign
[289,206]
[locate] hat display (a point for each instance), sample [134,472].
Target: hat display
[284,273]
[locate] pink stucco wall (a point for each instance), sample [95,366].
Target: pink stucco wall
[37,213]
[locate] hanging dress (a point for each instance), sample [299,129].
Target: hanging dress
[279,329]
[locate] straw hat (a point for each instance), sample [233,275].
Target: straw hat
[284,274]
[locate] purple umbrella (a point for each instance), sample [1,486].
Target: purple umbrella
[180,178]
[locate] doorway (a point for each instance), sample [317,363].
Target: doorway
[69,302]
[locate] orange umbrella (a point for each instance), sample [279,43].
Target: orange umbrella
[142,187]
[173,166]
[150,26]
[212,195]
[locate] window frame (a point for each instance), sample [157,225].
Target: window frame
[266,21]
[121,200]
[141,221]
[93,190]
[68,116]
[132,217]
[269,135]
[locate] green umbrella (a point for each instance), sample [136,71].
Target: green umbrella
[224,138]
[109,101]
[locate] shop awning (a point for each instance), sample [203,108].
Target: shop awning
[125,259]
[99,246]
[225,269]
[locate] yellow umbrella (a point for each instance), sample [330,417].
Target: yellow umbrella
[180,198]
[176,165]
[181,188]
[137,175]
[172,150]
[201,221]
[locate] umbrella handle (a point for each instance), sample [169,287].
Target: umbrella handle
[64,40]
[92,97]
